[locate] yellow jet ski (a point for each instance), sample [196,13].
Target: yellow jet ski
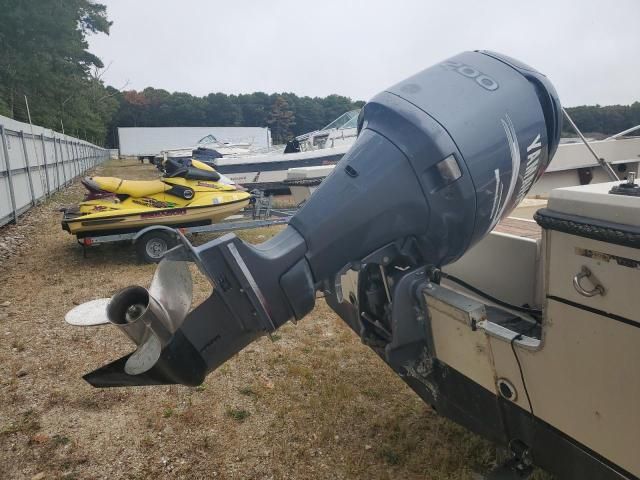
[185,196]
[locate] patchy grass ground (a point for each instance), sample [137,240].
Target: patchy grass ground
[313,404]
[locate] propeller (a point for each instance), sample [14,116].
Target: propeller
[150,317]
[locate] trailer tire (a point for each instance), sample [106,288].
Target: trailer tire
[152,246]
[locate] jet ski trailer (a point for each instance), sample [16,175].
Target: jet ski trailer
[151,243]
[531,342]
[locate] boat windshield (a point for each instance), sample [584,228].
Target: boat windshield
[353,123]
[208,139]
[346,120]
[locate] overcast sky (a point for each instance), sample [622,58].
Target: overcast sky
[590,49]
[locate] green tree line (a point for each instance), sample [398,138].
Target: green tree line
[44,56]
[608,119]
[286,114]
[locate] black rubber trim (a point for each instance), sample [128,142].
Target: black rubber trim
[102,221]
[276,165]
[305,182]
[617,233]
[612,316]
[276,188]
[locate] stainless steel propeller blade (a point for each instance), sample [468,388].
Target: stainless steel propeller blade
[150,317]
[89,313]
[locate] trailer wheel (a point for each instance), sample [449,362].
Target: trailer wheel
[152,246]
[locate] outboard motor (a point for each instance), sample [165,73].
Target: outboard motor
[440,158]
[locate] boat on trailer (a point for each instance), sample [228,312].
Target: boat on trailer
[208,147]
[572,165]
[268,171]
[184,196]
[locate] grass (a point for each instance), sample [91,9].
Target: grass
[18,346]
[167,412]
[59,440]
[390,456]
[247,391]
[27,423]
[238,414]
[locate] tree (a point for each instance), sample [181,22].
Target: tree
[222,110]
[605,120]
[254,108]
[310,115]
[281,119]
[44,55]
[334,106]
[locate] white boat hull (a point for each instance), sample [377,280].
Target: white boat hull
[269,171]
[572,165]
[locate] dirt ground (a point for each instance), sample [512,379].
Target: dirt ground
[313,404]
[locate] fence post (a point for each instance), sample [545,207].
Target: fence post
[61,160]
[72,159]
[44,161]
[66,147]
[60,141]
[28,165]
[69,159]
[64,172]
[55,156]
[78,157]
[76,149]
[7,164]
[80,160]
[74,154]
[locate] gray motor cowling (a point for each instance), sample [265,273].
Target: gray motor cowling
[442,155]
[440,158]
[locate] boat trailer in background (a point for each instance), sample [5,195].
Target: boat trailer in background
[151,243]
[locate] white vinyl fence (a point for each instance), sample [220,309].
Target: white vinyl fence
[36,163]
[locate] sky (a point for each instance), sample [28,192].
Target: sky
[589,49]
